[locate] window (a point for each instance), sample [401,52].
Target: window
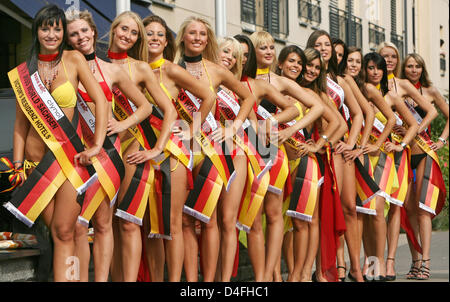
[268,15]
[376,36]
[396,39]
[345,26]
[309,11]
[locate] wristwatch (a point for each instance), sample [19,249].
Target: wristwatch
[325,137]
[403,144]
[443,140]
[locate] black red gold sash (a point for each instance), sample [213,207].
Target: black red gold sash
[217,168]
[306,188]
[160,202]
[175,145]
[107,163]
[60,135]
[252,199]
[246,138]
[202,200]
[186,105]
[433,192]
[134,203]
[279,171]
[366,188]
[385,174]
[335,93]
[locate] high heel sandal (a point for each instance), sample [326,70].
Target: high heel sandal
[390,277]
[342,279]
[424,273]
[413,270]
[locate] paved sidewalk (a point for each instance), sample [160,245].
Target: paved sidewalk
[439,258]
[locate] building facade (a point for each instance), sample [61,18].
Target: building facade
[413,25]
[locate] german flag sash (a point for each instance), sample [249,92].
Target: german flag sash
[385,174]
[306,188]
[433,192]
[335,93]
[159,203]
[404,174]
[132,207]
[186,105]
[202,200]
[246,138]
[279,171]
[366,187]
[175,145]
[252,199]
[62,138]
[217,168]
[108,164]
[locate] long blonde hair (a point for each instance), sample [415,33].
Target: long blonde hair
[263,37]
[139,51]
[237,53]
[211,51]
[392,45]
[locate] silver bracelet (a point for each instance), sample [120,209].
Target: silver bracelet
[443,140]
[325,137]
[403,144]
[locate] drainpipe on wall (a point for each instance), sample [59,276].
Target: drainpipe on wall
[122,6]
[221,18]
[405,25]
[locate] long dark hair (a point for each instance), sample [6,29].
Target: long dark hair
[424,77]
[319,85]
[48,15]
[379,61]
[343,65]
[360,78]
[250,67]
[285,52]
[332,64]
[170,49]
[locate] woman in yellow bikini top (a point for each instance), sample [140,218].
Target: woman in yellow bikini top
[172,78]
[128,48]
[197,47]
[48,30]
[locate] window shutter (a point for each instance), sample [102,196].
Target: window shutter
[394,16]
[248,9]
[272,16]
[351,36]
[334,20]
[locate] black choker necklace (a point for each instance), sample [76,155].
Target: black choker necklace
[192,59]
[90,56]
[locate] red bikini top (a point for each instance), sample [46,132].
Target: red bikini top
[245,79]
[104,86]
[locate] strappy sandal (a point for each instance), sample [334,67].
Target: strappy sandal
[413,270]
[424,273]
[390,277]
[342,279]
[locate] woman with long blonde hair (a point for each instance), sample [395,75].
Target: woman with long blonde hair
[197,51]
[403,89]
[414,70]
[128,48]
[173,78]
[82,36]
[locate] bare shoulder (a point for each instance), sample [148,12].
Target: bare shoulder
[404,83]
[172,69]
[142,66]
[73,56]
